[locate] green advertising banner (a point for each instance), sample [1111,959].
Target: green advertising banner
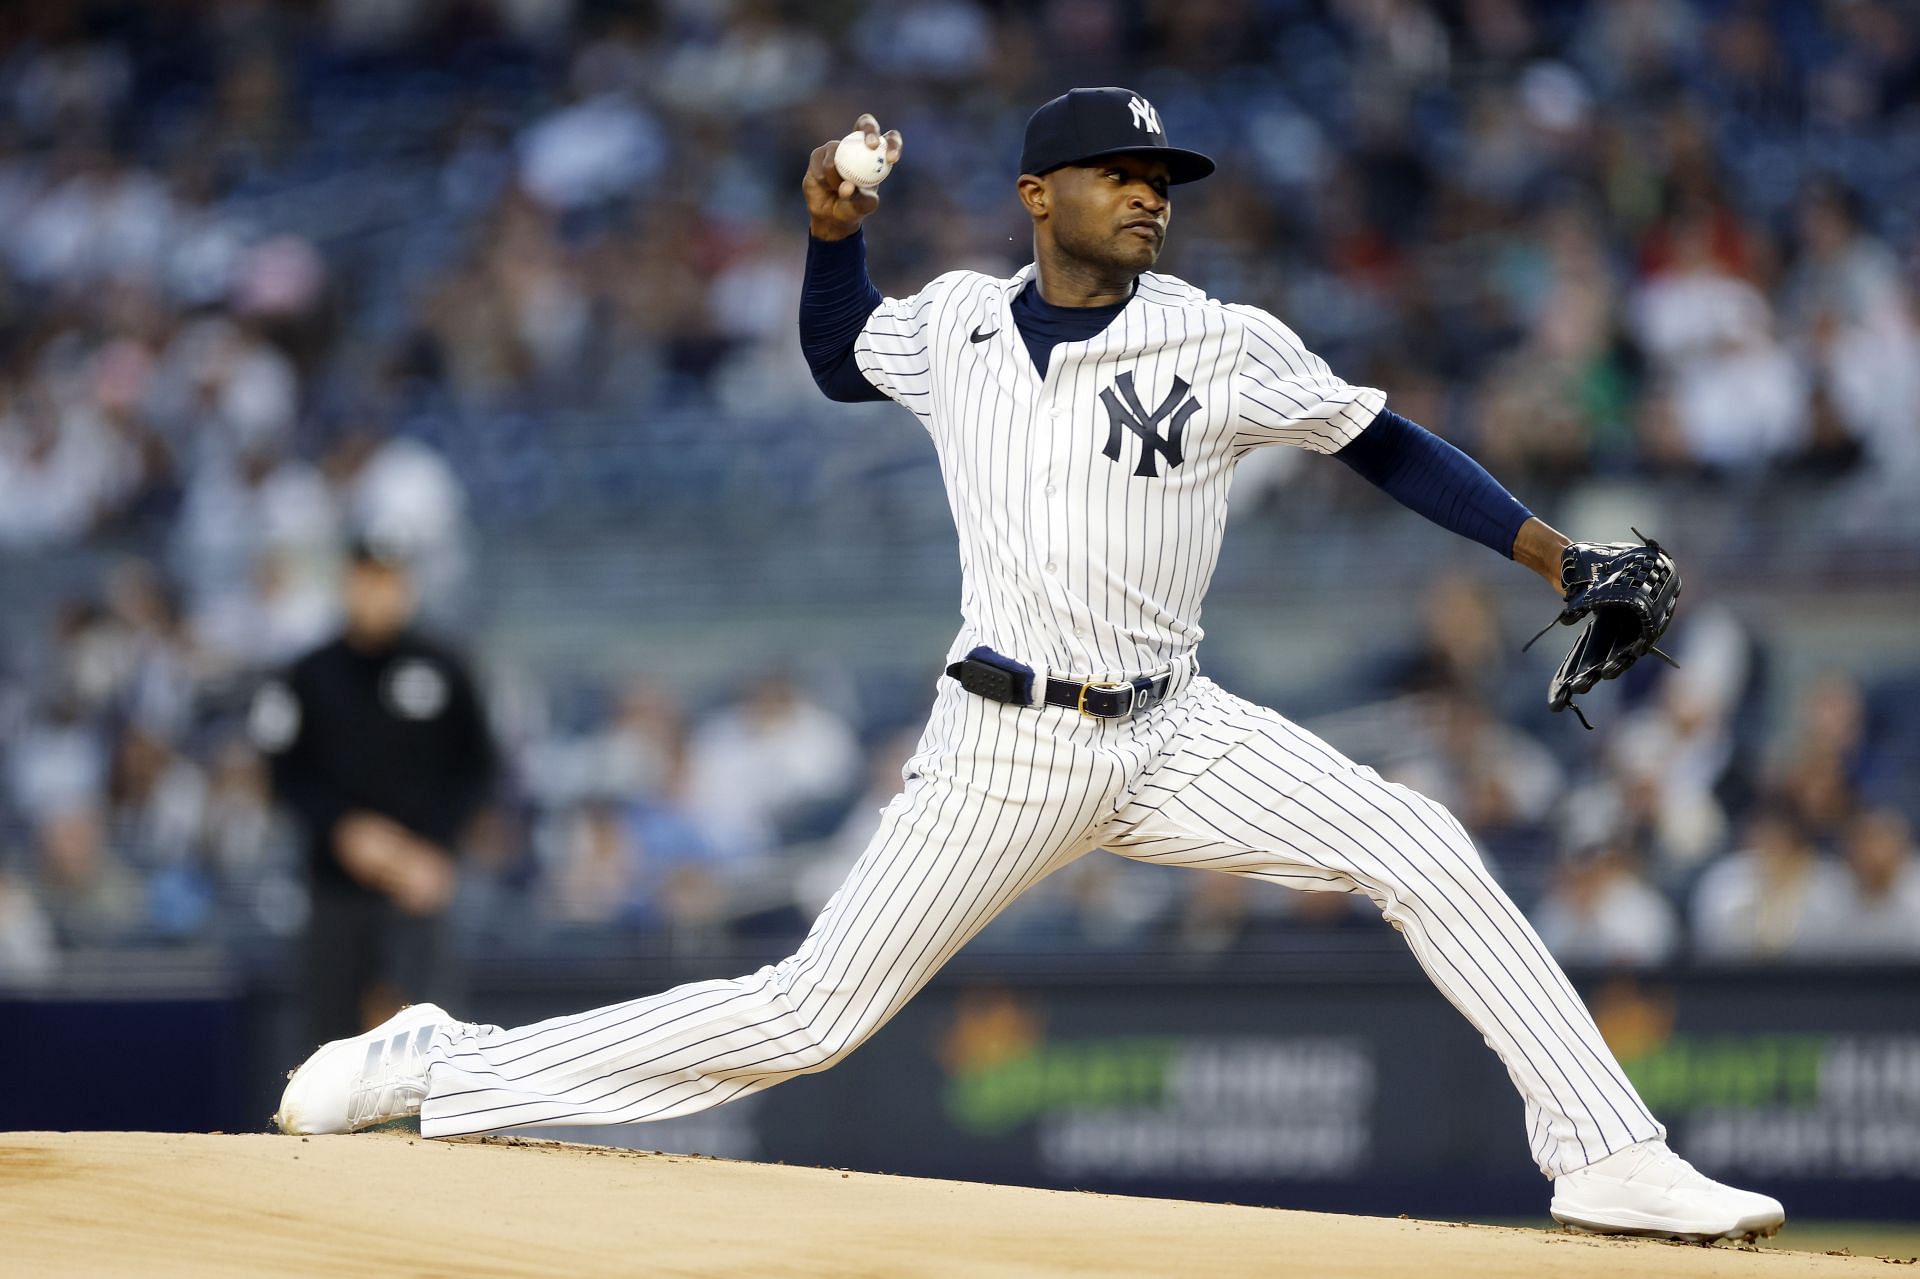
[1369,1097]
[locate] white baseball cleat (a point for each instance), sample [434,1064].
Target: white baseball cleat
[1646,1189]
[370,1079]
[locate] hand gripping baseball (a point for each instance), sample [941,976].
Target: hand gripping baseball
[1626,594]
[836,206]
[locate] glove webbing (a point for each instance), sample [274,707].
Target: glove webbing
[1637,574]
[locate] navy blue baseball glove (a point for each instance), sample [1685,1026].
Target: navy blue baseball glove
[1626,595]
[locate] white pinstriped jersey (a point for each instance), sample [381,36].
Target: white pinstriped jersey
[1090,503]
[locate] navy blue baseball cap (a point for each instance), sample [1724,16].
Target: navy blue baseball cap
[1084,124]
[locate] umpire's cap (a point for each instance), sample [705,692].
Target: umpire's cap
[1083,124]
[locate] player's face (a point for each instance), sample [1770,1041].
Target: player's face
[1112,211]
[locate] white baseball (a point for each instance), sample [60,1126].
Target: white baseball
[860,164]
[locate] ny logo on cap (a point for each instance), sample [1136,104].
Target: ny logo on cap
[1144,116]
[1125,410]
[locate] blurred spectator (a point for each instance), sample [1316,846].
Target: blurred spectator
[517,314]
[1730,398]
[89,893]
[642,752]
[57,762]
[1460,649]
[638,866]
[1103,902]
[1215,916]
[157,799]
[164,668]
[1874,913]
[1602,910]
[1828,754]
[1675,753]
[770,764]
[1670,756]
[404,494]
[753,64]
[821,871]
[101,219]
[1768,900]
[1496,778]
[592,880]
[156,802]
[255,549]
[280,280]
[639,752]
[1852,311]
[251,846]
[1636,46]
[599,147]
[1560,400]
[381,748]
[75,83]
[28,953]
[62,470]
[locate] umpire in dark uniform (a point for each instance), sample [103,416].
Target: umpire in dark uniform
[381,749]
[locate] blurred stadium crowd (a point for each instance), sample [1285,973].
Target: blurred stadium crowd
[271,273]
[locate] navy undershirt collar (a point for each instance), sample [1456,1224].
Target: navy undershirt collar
[1043,325]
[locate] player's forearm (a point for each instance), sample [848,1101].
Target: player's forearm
[836,298]
[1538,545]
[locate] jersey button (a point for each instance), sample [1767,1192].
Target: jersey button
[1056,413]
[1051,566]
[1051,490]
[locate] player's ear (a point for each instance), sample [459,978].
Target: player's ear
[1033,194]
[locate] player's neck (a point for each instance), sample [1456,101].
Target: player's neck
[1065,281]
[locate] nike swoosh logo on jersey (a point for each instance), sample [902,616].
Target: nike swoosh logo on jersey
[978,336]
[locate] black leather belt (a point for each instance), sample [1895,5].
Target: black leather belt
[987,674]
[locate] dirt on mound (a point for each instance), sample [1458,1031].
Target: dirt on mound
[158,1204]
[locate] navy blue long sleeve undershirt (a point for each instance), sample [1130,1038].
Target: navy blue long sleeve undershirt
[835,300]
[1412,465]
[1424,473]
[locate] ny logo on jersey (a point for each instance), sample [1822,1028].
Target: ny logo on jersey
[1144,116]
[1124,409]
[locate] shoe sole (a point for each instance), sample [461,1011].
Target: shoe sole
[423,1015]
[1745,1230]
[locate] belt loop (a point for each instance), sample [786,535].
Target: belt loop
[1182,673]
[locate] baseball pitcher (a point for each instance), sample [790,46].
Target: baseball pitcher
[1088,414]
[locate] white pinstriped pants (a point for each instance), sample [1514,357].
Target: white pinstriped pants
[997,798]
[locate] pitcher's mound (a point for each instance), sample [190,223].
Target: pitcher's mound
[156,1204]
